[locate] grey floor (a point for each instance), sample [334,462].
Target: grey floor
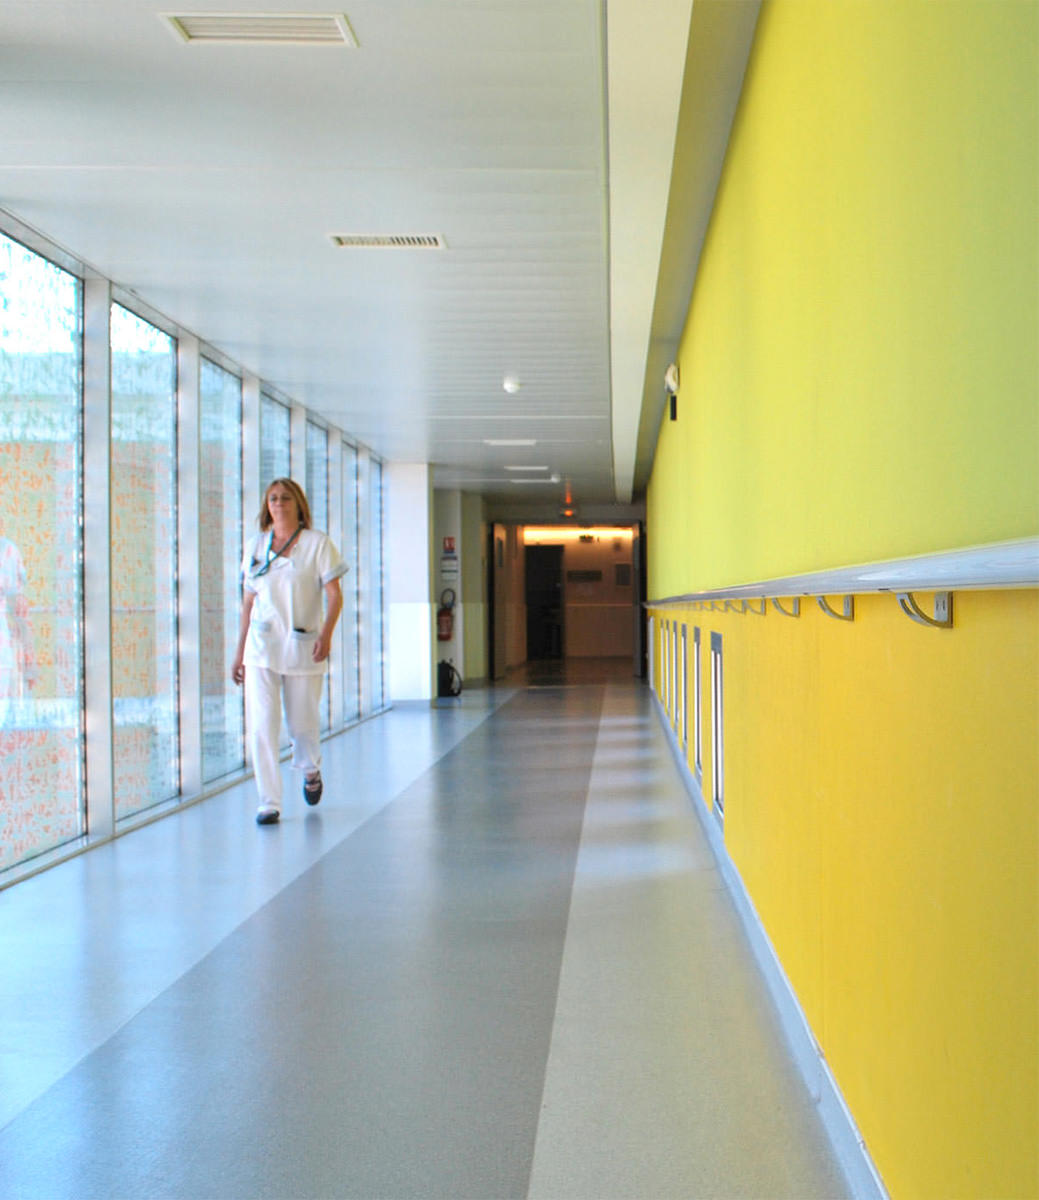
[497,961]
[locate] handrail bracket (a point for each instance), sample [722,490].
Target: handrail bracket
[942,618]
[849,608]
[793,611]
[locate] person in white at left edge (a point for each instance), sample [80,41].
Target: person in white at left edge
[284,640]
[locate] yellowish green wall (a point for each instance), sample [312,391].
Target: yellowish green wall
[881,784]
[859,369]
[474,587]
[860,382]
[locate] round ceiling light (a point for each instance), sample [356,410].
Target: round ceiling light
[511,384]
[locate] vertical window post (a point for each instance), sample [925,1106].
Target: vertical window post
[697,706]
[97,558]
[349,643]
[717,729]
[189,591]
[144,564]
[684,735]
[220,557]
[651,632]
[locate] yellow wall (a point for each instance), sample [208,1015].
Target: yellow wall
[860,382]
[474,587]
[881,784]
[859,369]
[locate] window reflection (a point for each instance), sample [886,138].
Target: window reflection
[44,798]
[220,552]
[349,637]
[317,475]
[144,562]
[317,498]
[41,725]
[275,441]
[375,615]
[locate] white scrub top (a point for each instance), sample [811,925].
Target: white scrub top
[286,615]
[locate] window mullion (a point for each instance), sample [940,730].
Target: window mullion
[335,532]
[97,557]
[298,438]
[252,486]
[189,591]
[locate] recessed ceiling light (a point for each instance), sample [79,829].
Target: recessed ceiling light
[510,441]
[300,29]
[526,468]
[511,384]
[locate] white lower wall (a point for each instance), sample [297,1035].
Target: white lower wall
[411,651]
[409,581]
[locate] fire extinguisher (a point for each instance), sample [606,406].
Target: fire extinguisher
[445,616]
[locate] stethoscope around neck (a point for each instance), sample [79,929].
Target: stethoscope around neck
[271,558]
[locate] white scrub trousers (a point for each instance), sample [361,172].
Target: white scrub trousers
[264,692]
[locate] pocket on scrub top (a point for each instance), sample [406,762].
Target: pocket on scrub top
[299,652]
[260,635]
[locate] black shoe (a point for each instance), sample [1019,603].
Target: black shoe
[312,789]
[267,815]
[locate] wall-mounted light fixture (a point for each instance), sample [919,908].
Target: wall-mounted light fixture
[671,387]
[534,534]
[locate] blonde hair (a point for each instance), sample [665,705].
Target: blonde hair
[266,520]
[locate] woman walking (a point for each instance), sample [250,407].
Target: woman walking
[283,640]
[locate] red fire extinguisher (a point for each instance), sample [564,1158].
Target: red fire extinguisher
[445,616]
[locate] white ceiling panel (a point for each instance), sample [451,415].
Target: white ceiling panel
[207,179]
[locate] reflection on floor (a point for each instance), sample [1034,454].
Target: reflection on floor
[570,672]
[497,961]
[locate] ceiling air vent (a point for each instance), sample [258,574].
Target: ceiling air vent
[388,241]
[307,29]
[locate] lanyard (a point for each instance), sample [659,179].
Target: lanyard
[277,553]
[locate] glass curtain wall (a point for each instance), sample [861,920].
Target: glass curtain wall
[220,556]
[317,498]
[317,475]
[144,564]
[45,801]
[376,612]
[349,622]
[41,661]
[275,441]
[275,463]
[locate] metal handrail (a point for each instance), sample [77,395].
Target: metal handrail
[1012,564]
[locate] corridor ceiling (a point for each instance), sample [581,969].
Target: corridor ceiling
[564,153]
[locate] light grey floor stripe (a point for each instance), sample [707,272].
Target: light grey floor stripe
[668,1077]
[848,1146]
[379,1029]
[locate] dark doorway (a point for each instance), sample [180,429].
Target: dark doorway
[638,558]
[496,596]
[544,595]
